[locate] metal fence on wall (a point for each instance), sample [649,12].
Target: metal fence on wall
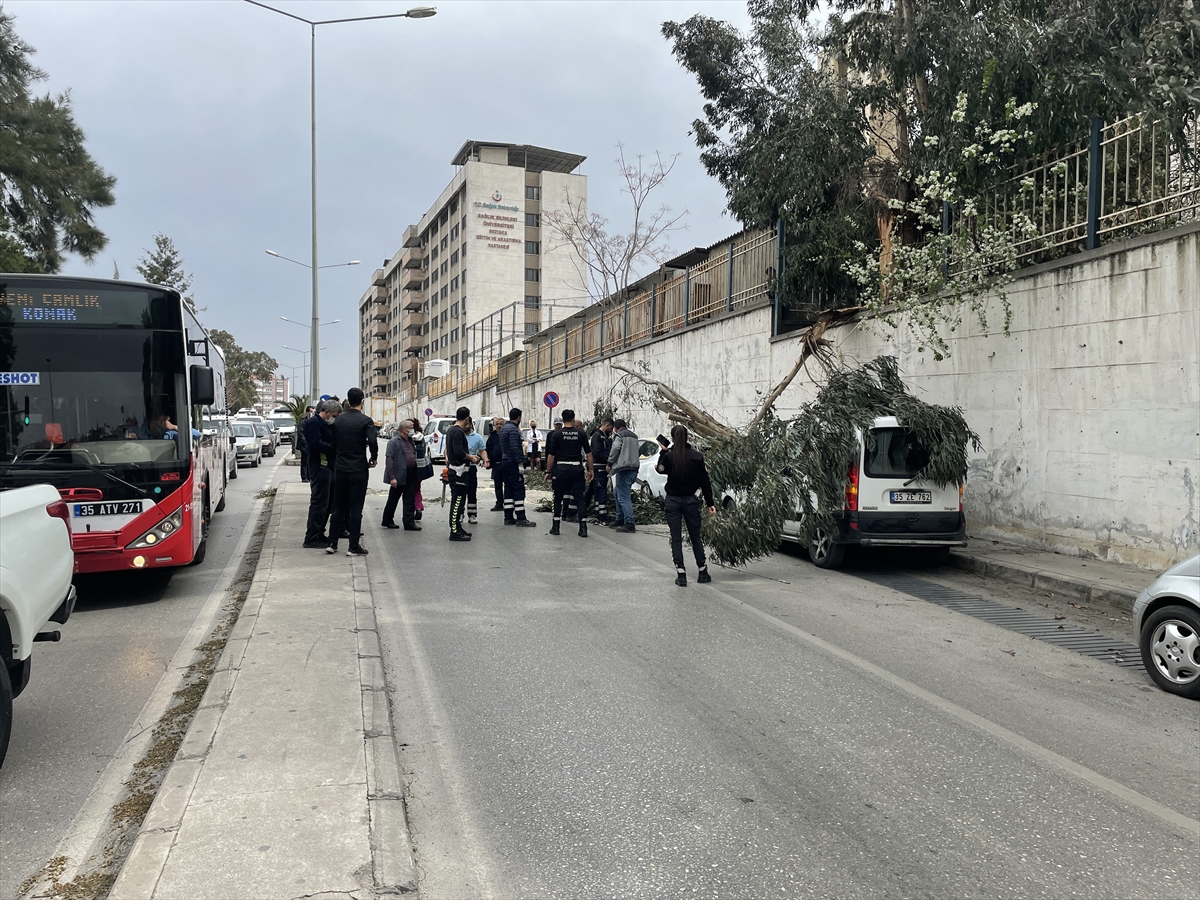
[1131,177]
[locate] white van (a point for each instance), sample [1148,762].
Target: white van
[885,507]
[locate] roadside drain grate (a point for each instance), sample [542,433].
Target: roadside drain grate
[1069,637]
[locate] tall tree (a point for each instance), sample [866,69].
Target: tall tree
[49,184]
[241,368]
[164,265]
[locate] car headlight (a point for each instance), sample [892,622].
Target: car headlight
[160,532]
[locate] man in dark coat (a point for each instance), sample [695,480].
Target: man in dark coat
[510,468]
[492,455]
[353,436]
[318,438]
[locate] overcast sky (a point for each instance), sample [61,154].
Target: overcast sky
[201,111]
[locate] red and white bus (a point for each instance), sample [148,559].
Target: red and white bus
[105,387]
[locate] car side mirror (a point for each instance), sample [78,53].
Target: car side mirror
[204,389]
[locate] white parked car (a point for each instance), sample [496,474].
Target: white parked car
[885,506]
[1166,624]
[285,427]
[36,564]
[649,481]
[435,436]
[249,445]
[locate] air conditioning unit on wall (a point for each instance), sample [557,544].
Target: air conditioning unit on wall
[437,368]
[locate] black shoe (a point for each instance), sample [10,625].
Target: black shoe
[356,551]
[417,515]
[463,531]
[390,525]
[316,545]
[331,548]
[611,524]
[583,529]
[412,527]
[510,521]
[460,537]
[554,529]
[499,507]
[681,580]
[704,577]
[524,523]
[626,529]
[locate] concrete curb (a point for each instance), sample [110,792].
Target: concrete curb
[1038,578]
[144,866]
[394,869]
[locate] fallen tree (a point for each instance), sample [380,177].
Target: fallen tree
[774,466]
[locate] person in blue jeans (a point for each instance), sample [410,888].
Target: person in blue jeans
[624,460]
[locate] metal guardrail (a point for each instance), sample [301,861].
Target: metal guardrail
[1133,176]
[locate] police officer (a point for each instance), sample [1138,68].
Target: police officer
[510,467]
[601,445]
[567,454]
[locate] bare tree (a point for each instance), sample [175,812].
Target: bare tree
[606,261]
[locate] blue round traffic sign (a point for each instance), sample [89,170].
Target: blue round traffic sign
[550,399]
[428,413]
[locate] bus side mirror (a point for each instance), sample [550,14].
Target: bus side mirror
[204,391]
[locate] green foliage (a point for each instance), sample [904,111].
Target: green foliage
[241,367]
[297,406]
[602,409]
[782,466]
[49,184]
[164,265]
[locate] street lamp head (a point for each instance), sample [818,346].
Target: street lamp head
[421,12]
[334,322]
[272,253]
[353,262]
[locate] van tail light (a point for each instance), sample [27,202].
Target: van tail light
[58,510]
[960,496]
[852,488]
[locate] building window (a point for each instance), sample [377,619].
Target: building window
[454,205]
[532,302]
[445,312]
[454,360]
[533,220]
[533,192]
[454,258]
[454,283]
[533,275]
[463,276]
[454,311]
[533,247]
[464,223]
[445,339]
[464,251]
[433,276]
[454,233]
[445,268]
[434,254]
[531,328]
[445,291]
[454,335]
[425,263]
[445,242]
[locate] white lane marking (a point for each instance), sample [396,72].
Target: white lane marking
[447,832]
[1189,826]
[90,824]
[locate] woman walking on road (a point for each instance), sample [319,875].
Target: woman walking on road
[686,475]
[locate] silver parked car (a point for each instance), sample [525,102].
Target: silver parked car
[1166,623]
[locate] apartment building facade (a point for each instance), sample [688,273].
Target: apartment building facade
[272,392]
[479,272]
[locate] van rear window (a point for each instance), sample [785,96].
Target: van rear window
[897,454]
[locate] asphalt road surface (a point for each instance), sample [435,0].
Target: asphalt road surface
[87,690]
[572,724]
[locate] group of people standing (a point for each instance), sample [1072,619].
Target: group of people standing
[340,446]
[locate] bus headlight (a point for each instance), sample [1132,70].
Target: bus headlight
[167,526]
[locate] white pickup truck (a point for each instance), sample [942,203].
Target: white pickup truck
[36,563]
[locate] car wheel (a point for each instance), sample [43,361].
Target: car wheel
[824,552]
[233,474]
[6,710]
[645,490]
[728,504]
[1170,644]
[221,504]
[936,557]
[254,462]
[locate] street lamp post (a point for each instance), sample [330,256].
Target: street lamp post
[417,12]
[304,366]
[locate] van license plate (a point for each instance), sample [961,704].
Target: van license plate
[117,508]
[912,496]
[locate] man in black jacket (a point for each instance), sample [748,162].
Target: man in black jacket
[458,460]
[492,454]
[510,469]
[318,438]
[353,435]
[567,452]
[598,486]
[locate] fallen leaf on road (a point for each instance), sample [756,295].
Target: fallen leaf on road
[1059,618]
[947,640]
[1009,652]
[1077,606]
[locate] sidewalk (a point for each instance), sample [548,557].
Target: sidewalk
[287,783]
[1093,580]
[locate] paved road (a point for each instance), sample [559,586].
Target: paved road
[87,690]
[577,726]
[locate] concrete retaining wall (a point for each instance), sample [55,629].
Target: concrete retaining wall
[1089,409]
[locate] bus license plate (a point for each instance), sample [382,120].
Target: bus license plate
[115,508]
[912,496]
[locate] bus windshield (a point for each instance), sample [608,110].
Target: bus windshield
[108,397]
